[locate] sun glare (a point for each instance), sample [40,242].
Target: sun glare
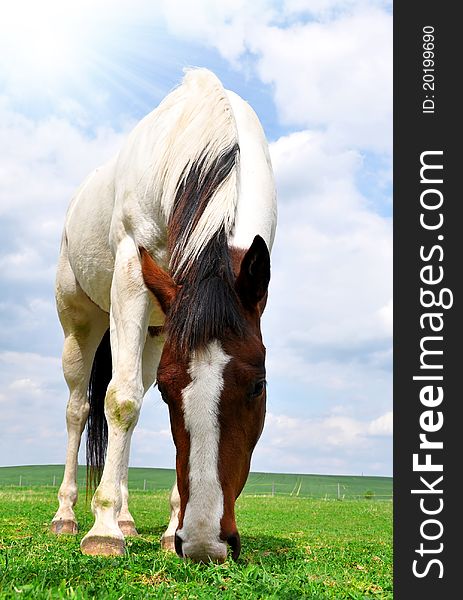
[61,51]
[43,38]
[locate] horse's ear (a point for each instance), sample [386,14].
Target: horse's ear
[158,281]
[254,276]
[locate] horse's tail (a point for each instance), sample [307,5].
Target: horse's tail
[97,427]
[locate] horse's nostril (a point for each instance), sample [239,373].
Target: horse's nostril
[178,545]
[235,545]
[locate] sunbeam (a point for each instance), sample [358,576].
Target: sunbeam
[51,51]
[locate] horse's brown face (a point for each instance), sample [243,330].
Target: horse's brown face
[216,397]
[217,406]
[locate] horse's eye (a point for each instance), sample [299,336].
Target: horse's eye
[258,388]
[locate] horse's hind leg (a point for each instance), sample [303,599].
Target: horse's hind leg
[84,325]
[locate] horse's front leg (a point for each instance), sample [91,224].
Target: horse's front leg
[130,311]
[151,357]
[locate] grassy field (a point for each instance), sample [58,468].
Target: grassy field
[306,486]
[293,547]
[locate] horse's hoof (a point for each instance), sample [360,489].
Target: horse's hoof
[100,545]
[168,543]
[128,528]
[64,526]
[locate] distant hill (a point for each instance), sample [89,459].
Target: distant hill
[149,479]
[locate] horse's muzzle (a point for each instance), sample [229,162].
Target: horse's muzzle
[233,541]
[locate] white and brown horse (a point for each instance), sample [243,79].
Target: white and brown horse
[163,275]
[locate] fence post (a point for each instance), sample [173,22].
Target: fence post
[54,480]
[144,485]
[339,492]
[20,480]
[273,488]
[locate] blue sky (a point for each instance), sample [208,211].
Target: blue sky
[75,80]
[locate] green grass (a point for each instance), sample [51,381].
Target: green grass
[292,547]
[307,486]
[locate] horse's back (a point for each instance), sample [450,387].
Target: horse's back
[256,211]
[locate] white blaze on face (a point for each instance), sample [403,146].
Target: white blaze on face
[201,523]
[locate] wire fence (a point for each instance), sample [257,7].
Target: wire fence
[335,491]
[303,486]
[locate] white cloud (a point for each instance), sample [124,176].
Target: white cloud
[332,265]
[334,73]
[26,385]
[382,425]
[33,404]
[28,264]
[225,25]
[42,163]
[36,363]
[385,314]
[328,8]
[292,444]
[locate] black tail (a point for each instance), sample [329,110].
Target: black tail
[97,427]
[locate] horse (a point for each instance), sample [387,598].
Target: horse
[163,277]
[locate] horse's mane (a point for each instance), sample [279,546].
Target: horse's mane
[200,221]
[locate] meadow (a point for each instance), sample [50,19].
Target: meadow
[300,542]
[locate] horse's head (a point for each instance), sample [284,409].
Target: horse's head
[216,393]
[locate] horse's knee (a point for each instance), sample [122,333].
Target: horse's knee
[122,409]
